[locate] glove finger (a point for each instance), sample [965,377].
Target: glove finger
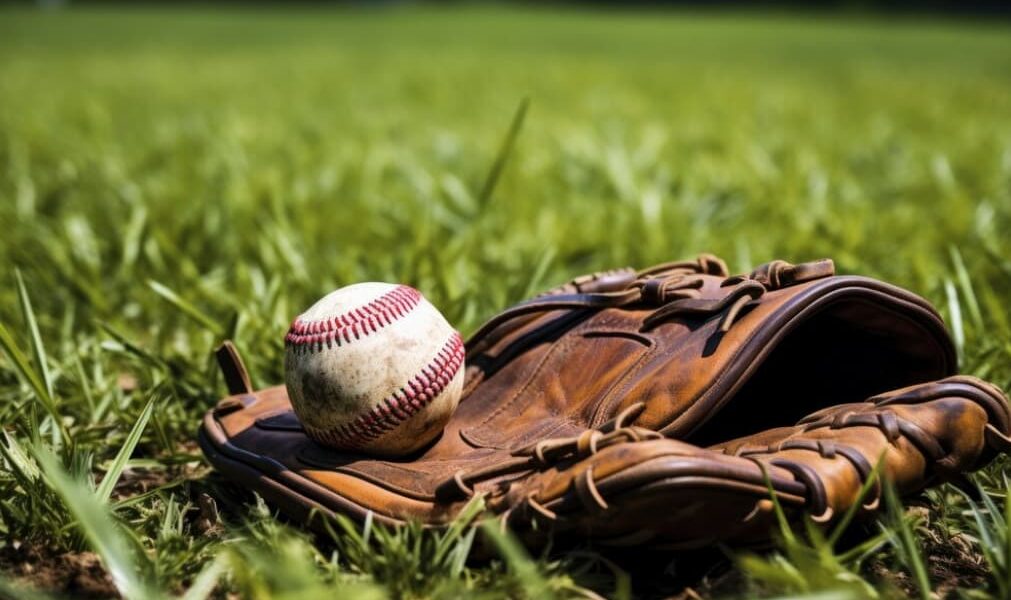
[662,492]
[675,494]
[924,434]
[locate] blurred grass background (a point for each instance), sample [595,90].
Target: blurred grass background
[172,176]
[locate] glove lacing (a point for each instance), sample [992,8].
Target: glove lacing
[552,452]
[875,413]
[674,288]
[546,453]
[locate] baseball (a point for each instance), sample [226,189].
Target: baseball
[373,367]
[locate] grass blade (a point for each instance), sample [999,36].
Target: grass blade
[1004,583]
[905,542]
[519,562]
[98,527]
[119,463]
[38,350]
[784,524]
[872,479]
[126,345]
[503,153]
[965,284]
[955,317]
[540,270]
[32,378]
[186,307]
[23,470]
[206,581]
[991,529]
[457,528]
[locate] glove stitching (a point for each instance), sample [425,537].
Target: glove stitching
[547,453]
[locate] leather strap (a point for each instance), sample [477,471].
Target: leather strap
[233,369]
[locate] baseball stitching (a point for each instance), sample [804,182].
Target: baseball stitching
[403,404]
[342,329]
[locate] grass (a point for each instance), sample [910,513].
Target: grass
[169,177]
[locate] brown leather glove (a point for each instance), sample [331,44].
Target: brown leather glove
[591,407]
[638,487]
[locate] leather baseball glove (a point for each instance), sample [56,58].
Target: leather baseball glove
[658,407]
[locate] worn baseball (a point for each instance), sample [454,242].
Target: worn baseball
[375,368]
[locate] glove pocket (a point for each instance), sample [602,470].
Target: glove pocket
[559,394]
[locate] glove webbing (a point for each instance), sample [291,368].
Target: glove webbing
[674,288]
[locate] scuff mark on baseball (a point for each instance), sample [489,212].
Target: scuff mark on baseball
[375,368]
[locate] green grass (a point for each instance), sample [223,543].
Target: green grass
[172,177]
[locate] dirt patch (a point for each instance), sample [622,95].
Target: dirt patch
[138,481]
[49,568]
[953,562]
[76,574]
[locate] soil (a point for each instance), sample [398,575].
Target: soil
[951,564]
[48,568]
[76,574]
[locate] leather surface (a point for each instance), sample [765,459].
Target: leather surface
[643,368]
[678,495]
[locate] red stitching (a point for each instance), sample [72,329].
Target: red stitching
[353,325]
[401,404]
